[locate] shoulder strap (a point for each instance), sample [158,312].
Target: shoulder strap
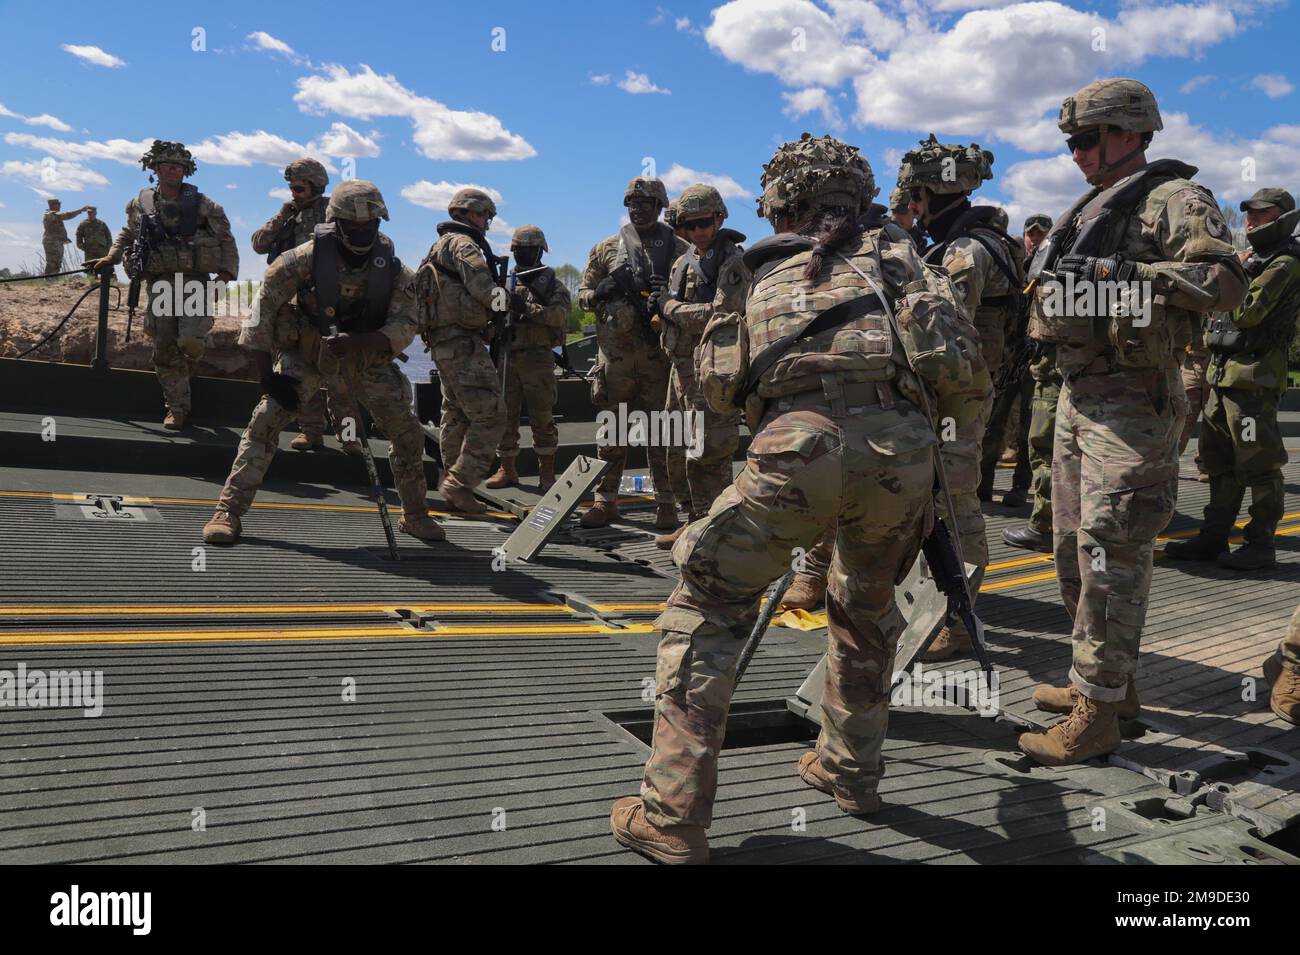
[382,269]
[189,223]
[325,273]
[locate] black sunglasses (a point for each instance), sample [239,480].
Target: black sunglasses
[1084,141]
[297,189]
[694,224]
[917,194]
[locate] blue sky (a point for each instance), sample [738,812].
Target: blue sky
[422,97]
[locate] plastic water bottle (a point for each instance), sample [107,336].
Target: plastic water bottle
[636,484]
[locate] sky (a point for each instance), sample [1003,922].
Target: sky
[553,107]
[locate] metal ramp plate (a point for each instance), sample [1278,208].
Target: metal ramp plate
[548,514]
[93,506]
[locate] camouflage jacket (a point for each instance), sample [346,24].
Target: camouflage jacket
[461,287]
[684,317]
[1272,305]
[55,230]
[984,286]
[214,248]
[605,256]
[304,220]
[94,238]
[273,327]
[548,312]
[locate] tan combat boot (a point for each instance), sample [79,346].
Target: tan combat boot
[303,441]
[599,514]
[545,472]
[856,804]
[951,640]
[1060,699]
[460,499]
[806,592]
[1090,730]
[671,845]
[422,526]
[666,541]
[666,517]
[174,421]
[223,528]
[506,475]
[1285,677]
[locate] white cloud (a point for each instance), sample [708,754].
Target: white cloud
[436,195]
[1196,82]
[264,41]
[342,140]
[53,174]
[682,23]
[440,132]
[282,193]
[231,185]
[93,55]
[795,40]
[45,119]
[678,177]
[813,99]
[599,79]
[637,83]
[1272,85]
[125,151]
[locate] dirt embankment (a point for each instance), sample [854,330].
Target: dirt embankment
[30,310]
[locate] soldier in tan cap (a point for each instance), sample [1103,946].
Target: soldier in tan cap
[93,239]
[56,234]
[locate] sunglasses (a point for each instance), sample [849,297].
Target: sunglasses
[694,224]
[1084,141]
[297,189]
[917,194]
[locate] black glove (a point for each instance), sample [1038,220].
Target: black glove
[658,299]
[657,282]
[518,305]
[605,289]
[1089,268]
[283,389]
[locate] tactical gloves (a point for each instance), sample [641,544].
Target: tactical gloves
[283,389]
[1089,268]
[605,289]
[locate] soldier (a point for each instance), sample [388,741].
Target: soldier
[900,210]
[56,234]
[670,217]
[356,310]
[987,268]
[1282,670]
[537,330]
[1115,469]
[707,279]
[461,294]
[93,239]
[631,368]
[1197,387]
[176,236]
[287,229]
[840,439]
[1241,445]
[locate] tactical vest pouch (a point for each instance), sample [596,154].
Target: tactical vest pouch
[1224,336]
[722,361]
[207,254]
[1054,319]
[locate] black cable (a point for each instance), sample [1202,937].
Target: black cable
[57,328]
[37,278]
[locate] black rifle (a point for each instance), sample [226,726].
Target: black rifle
[950,577]
[136,261]
[283,240]
[774,598]
[636,294]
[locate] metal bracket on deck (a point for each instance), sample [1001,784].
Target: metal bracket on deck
[94,506]
[550,513]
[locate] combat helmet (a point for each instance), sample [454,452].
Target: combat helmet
[529,235]
[945,168]
[814,173]
[700,198]
[308,170]
[646,187]
[1116,101]
[163,151]
[899,199]
[670,214]
[356,200]
[474,200]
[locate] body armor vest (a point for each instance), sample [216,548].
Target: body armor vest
[327,304]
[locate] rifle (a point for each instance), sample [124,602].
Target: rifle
[760,625]
[136,261]
[505,335]
[282,242]
[627,282]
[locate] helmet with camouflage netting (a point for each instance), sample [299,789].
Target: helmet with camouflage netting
[308,170]
[357,201]
[815,173]
[700,198]
[472,200]
[899,199]
[1117,101]
[529,235]
[163,151]
[644,187]
[670,214]
[945,168]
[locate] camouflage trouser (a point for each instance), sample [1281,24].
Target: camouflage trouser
[1290,646]
[1042,429]
[531,382]
[383,390]
[698,477]
[1198,391]
[633,372]
[961,463]
[995,434]
[807,470]
[311,414]
[1114,486]
[178,342]
[473,410]
[53,257]
[817,562]
[1241,447]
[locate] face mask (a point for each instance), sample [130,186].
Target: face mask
[358,236]
[1273,234]
[527,256]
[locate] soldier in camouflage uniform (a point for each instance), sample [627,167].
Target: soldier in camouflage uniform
[189,240]
[536,331]
[708,279]
[1197,386]
[840,440]
[461,295]
[93,239]
[987,268]
[670,219]
[287,229]
[631,368]
[1282,670]
[1144,231]
[1241,445]
[900,210]
[355,310]
[56,234]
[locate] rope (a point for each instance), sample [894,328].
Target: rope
[37,278]
[57,328]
